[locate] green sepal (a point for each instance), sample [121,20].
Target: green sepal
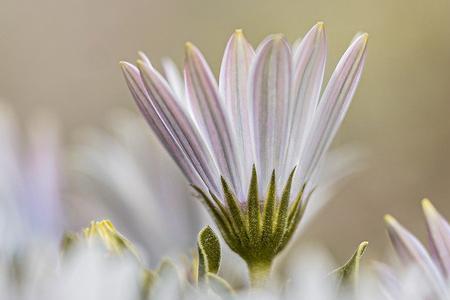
[349,272]
[219,285]
[268,213]
[209,252]
[221,218]
[254,209]
[282,212]
[235,211]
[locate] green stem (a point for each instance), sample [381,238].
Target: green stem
[259,273]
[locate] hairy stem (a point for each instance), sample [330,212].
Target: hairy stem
[259,273]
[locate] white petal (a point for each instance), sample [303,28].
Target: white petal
[211,116]
[233,84]
[333,105]
[309,66]
[269,88]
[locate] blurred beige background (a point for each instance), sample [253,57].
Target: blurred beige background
[63,56]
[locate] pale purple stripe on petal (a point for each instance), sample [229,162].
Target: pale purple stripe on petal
[141,97]
[439,234]
[233,87]
[334,104]
[211,117]
[269,89]
[309,66]
[175,81]
[180,125]
[411,251]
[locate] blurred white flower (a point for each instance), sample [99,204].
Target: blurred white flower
[126,171]
[30,202]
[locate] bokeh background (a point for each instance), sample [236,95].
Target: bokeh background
[62,56]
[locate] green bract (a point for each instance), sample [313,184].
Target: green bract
[260,230]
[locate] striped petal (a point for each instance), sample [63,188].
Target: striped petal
[269,89]
[334,104]
[309,66]
[141,97]
[233,84]
[175,81]
[179,124]
[210,115]
[439,233]
[411,251]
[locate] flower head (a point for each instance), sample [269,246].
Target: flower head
[267,111]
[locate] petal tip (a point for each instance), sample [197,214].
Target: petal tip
[389,220]
[320,25]
[238,32]
[427,207]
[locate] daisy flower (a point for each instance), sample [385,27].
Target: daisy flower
[238,140]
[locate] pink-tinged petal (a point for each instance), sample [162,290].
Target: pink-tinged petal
[309,66]
[439,234]
[411,252]
[143,57]
[141,97]
[334,104]
[210,115]
[269,89]
[233,84]
[175,81]
[179,124]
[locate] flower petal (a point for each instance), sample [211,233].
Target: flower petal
[179,124]
[334,104]
[210,115]
[309,66]
[411,251]
[175,80]
[269,88]
[439,234]
[142,99]
[233,84]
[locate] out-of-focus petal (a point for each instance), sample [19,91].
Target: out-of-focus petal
[411,251]
[439,234]
[309,66]
[233,87]
[334,104]
[269,90]
[210,114]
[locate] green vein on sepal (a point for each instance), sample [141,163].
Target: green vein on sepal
[269,209]
[225,213]
[235,211]
[254,211]
[219,218]
[295,215]
[282,211]
[209,252]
